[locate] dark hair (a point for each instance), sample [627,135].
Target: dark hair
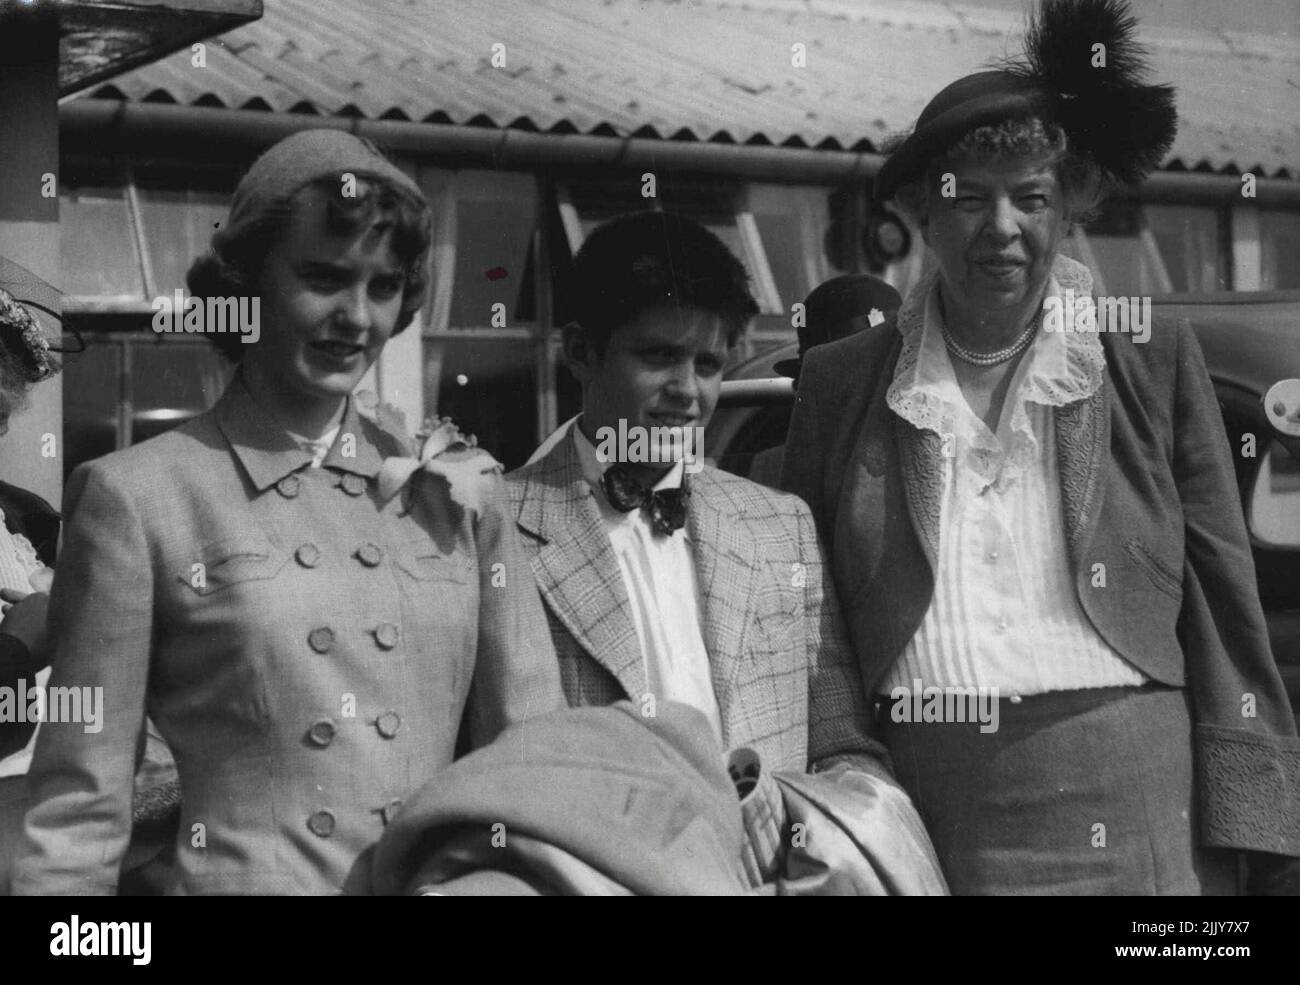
[1026,138]
[646,259]
[235,269]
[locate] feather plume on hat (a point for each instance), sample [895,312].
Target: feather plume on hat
[1098,95]
[1104,103]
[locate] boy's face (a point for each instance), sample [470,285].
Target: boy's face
[663,369]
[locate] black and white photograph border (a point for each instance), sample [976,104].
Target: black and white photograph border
[650,447]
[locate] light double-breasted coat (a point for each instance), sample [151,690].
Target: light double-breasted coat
[307,650]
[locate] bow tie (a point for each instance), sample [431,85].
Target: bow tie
[667,507]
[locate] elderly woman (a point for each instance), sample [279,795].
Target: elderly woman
[29,526]
[1048,519]
[306,643]
[29,530]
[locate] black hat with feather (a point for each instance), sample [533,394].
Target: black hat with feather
[1082,69]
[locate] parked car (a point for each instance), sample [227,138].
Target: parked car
[1251,342]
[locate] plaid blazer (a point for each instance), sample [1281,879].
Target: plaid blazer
[786,683]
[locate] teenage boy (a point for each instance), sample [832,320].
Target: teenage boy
[672,580]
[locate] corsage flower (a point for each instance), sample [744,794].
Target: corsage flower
[444,451]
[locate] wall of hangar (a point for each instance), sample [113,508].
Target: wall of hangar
[485,348]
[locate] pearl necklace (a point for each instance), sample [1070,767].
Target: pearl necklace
[990,358]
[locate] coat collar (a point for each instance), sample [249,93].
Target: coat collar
[268,453]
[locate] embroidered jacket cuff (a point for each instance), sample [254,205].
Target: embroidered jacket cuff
[1249,790]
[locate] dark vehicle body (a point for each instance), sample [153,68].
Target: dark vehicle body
[1251,340]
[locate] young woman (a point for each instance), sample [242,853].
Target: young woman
[306,646]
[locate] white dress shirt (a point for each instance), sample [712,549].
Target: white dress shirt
[1005,612]
[659,573]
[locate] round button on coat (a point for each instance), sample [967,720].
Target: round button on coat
[353,485]
[321,823]
[321,639]
[308,555]
[321,732]
[388,724]
[288,486]
[387,635]
[370,555]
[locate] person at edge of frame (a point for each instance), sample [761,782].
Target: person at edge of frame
[832,310]
[670,580]
[1050,512]
[307,646]
[29,533]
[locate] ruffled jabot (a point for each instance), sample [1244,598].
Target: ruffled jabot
[1059,368]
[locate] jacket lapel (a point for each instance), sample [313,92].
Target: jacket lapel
[920,454]
[575,567]
[728,567]
[1082,441]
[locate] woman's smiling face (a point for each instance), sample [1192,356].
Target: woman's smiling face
[329,303]
[997,233]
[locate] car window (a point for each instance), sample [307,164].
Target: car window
[1274,511]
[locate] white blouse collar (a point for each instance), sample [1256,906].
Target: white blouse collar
[1059,368]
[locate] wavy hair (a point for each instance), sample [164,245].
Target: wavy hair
[235,268]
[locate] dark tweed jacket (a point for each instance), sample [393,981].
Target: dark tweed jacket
[1147,490]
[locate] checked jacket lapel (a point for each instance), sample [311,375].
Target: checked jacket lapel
[728,568]
[575,567]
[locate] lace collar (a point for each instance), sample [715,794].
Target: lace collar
[1058,369]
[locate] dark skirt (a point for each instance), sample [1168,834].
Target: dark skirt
[1076,793]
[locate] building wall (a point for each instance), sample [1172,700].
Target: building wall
[485,350]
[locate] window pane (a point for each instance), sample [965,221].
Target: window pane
[96,243]
[90,382]
[487,387]
[1190,245]
[1128,262]
[598,201]
[793,222]
[495,218]
[1275,502]
[1279,234]
[172,381]
[178,226]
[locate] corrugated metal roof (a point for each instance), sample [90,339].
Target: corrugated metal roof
[696,69]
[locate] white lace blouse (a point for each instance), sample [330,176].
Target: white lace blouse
[1004,613]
